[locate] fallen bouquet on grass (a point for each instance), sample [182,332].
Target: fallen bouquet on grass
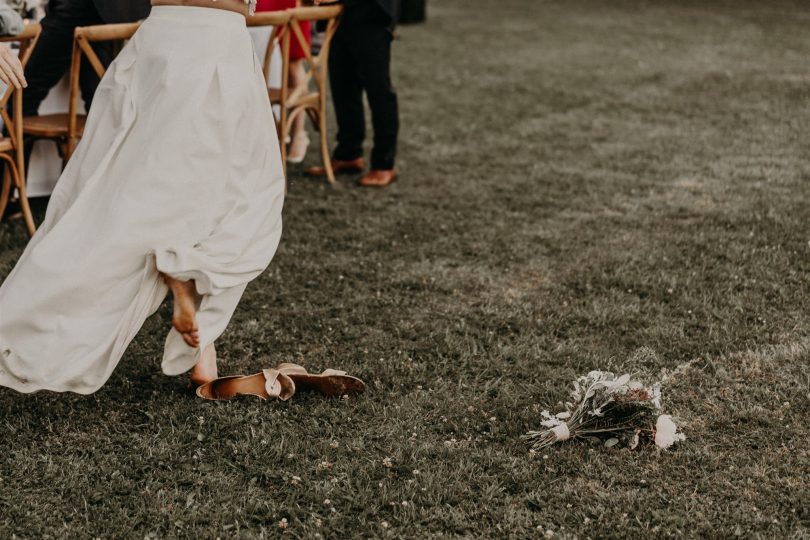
[607,406]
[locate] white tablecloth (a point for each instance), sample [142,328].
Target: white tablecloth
[46,165]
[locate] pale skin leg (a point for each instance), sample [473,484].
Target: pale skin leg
[184,320]
[206,369]
[299,139]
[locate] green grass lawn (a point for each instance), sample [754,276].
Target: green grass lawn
[585,184]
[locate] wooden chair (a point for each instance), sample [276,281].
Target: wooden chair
[306,100]
[280,37]
[67,128]
[12,147]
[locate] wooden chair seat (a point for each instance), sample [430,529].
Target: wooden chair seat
[6,144]
[66,129]
[51,126]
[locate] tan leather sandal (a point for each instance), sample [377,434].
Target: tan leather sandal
[330,383]
[270,383]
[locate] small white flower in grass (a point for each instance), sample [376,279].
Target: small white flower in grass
[295,480]
[416,472]
[549,533]
[666,432]
[283,524]
[384,525]
[387,463]
[327,502]
[334,444]
[636,439]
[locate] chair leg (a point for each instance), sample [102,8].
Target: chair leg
[313,117]
[19,181]
[327,159]
[24,206]
[282,142]
[5,191]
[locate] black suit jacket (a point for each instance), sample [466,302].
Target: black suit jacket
[391,7]
[118,11]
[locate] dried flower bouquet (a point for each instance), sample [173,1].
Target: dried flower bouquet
[604,405]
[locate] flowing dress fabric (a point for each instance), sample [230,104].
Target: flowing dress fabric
[178,172]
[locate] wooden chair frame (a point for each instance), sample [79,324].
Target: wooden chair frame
[82,39]
[68,135]
[313,103]
[279,37]
[286,27]
[14,158]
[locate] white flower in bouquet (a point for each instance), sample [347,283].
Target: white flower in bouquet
[603,405]
[666,432]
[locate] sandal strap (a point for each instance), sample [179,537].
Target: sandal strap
[270,377]
[328,372]
[289,368]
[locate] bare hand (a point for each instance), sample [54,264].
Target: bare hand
[11,70]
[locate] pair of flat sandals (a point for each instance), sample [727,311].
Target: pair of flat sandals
[282,382]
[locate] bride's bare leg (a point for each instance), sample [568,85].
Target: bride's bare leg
[206,369]
[184,318]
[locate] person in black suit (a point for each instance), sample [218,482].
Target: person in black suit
[360,59]
[52,56]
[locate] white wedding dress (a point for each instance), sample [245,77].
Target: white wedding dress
[178,172]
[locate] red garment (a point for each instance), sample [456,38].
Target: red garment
[296,50]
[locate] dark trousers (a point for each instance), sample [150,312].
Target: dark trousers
[52,56]
[360,60]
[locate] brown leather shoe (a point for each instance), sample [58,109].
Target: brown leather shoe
[340,167]
[378,178]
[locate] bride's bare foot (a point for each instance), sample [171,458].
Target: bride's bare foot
[206,369]
[184,318]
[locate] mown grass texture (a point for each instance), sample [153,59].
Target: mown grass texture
[585,184]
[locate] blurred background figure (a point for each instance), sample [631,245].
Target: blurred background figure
[299,139]
[11,22]
[360,60]
[27,9]
[52,55]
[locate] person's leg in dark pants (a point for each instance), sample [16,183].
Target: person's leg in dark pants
[52,56]
[371,44]
[375,73]
[347,94]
